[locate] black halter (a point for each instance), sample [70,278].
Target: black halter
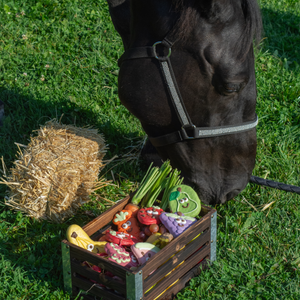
[188,130]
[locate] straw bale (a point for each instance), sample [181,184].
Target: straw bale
[56,173]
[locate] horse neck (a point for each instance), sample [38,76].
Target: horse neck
[151,21]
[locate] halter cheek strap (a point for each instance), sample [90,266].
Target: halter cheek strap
[188,130]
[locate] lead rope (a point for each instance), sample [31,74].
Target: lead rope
[275,184]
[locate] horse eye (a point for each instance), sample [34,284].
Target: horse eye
[90,247]
[229,88]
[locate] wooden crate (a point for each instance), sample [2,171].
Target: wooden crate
[182,259]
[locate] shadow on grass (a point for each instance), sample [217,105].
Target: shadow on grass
[281,32]
[31,245]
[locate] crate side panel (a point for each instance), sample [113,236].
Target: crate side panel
[177,273]
[176,245]
[104,264]
[180,284]
[92,289]
[176,260]
[98,277]
[105,218]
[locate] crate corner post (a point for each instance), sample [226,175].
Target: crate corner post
[66,264]
[213,237]
[134,285]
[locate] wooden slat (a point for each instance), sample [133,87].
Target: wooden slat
[106,217]
[177,259]
[164,254]
[98,277]
[84,255]
[92,289]
[176,274]
[171,292]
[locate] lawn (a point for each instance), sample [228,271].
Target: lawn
[59,58]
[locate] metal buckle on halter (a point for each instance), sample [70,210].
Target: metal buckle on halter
[184,134]
[161,58]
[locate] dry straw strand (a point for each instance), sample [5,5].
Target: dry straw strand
[56,172]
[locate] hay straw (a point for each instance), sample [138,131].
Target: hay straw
[267,205]
[55,174]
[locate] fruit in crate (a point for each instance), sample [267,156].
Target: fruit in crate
[118,254]
[152,238]
[177,223]
[144,251]
[183,198]
[149,215]
[163,240]
[77,236]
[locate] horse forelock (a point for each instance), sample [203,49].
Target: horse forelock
[191,10]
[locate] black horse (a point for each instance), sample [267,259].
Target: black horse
[211,47]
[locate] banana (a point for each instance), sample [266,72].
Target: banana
[77,236]
[153,237]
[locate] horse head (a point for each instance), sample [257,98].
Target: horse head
[213,64]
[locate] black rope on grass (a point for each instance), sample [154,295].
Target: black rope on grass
[275,185]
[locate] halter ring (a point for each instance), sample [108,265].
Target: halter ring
[162,58]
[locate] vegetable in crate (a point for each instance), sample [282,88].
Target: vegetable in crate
[122,217]
[173,180]
[133,208]
[152,184]
[183,198]
[120,238]
[77,236]
[132,227]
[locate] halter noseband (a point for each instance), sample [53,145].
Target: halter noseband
[188,130]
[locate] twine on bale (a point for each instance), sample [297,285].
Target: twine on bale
[56,173]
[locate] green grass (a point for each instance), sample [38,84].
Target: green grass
[258,250]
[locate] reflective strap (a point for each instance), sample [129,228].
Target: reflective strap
[202,132]
[222,130]
[174,93]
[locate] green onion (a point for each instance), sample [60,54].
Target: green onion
[158,186]
[173,180]
[145,185]
[154,182]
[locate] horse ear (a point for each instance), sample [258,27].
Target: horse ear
[120,15]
